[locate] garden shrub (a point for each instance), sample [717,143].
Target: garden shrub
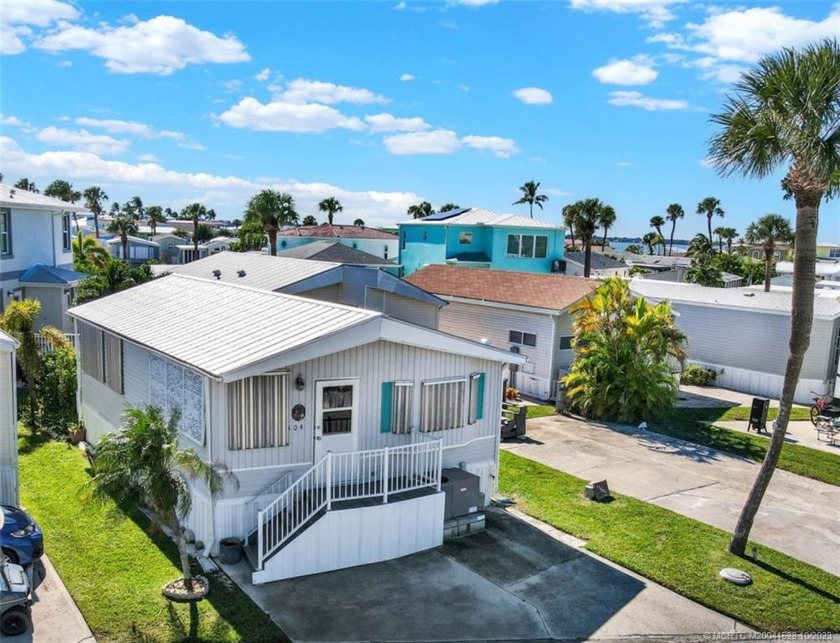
[695,375]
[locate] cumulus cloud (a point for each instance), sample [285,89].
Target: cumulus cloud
[533,96]
[439,141]
[390,123]
[116,126]
[283,116]
[500,147]
[406,77]
[19,16]
[473,3]
[263,74]
[82,141]
[11,121]
[632,71]
[655,12]
[160,46]
[302,90]
[637,99]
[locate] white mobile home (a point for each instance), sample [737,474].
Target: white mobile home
[311,404]
[9,493]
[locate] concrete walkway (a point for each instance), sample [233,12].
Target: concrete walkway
[798,516]
[516,581]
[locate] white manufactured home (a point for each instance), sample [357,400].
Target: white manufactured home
[8,422]
[336,421]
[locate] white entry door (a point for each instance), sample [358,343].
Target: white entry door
[336,416]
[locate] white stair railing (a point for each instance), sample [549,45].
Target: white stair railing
[264,498]
[341,477]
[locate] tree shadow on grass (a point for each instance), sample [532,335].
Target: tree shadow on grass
[793,579]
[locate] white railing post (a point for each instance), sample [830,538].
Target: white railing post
[329,480]
[439,462]
[260,545]
[385,475]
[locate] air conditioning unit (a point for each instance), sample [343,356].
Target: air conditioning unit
[514,349]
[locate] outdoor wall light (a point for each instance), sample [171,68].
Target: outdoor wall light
[299,383]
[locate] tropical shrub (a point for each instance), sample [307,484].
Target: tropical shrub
[56,386]
[696,375]
[625,350]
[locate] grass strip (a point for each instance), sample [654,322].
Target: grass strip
[691,424]
[539,411]
[680,553]
[115,569]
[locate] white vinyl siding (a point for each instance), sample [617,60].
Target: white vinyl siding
[114,362]
[443,405]
[93,362]
[258,409]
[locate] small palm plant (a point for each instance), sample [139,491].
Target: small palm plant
[142,462]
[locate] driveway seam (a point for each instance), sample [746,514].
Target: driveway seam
[673,493]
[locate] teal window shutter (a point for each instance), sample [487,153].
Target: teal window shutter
[479,411]
[387,403]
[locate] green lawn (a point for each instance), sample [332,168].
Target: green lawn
[540,410]
[690,424]
[678,552]
[115,569]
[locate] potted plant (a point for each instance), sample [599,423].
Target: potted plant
[76,432]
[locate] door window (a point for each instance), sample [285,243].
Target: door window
[337,405]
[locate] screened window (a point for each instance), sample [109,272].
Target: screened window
[476,397]
[114,362]
[834,253]
[258,409]
[65,232]
[397,398]
[566,343]
[5,232]
[527,246]
[443,405]
[93,362]
[522,338]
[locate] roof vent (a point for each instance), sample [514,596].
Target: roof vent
[240,273]
[749,294]
[217,274]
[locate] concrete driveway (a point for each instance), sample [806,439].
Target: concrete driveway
[798,516]
[512,582]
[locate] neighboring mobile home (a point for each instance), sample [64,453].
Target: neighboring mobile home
[309,403]
[9,493]
[140,250]
[743,334]
[526,314]
[371,240]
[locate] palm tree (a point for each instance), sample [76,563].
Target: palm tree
[115,208]
[63,190]
[94,199]
[767,231]
[141,462]
[18,320]
[699,246]
[702,271]
[784,114]
[272,210]
[569,214]
[123,224]
[448,207]
[359,222]
[718,232]
[588,216]
[728,235]
[656,222]
[606,221]
[710,206]
[309,220]
[330,206]
[26,184]
[137,203]
[88,254]
[651,239]
[675,211]
[421,210]
[155,216]
[196,213]
[529,195]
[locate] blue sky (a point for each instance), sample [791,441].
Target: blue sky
[385,104]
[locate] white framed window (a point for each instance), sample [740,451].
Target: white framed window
[522,338]
[65,232]
[527,246]
[443,405]
[834,253]
[258,412]
[5,232]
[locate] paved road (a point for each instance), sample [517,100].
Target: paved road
[798,516]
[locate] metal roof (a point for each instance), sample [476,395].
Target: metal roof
[751,298]
[261,271]
[12,197]
[230,331]
[480,216]
[335,231]
[42,274]
[138,240]
[8,343]
[598,261]
[335,251]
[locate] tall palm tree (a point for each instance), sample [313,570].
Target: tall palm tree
[656,222]
[718,232]
[330,206]
[784,113]
[196,213]
[421,210]
[95,198]
[137,203]
[115,208]
[155,216]
[141,462]
[272,210]
[675,211]
[767,231]
[651,239]
[588,216]
[728,235]
[123,224]
[606,221]
[309,220]
[26,184]
[530,196]
[710,207]
[63,190]
[699,246]
[569,214]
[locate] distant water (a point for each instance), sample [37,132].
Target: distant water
[621,246]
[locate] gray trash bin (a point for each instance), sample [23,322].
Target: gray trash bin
[230,551]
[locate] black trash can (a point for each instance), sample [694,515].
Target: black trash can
[230,551]
[758,414]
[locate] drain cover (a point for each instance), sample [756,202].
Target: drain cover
[735,576]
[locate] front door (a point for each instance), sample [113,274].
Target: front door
[336,416]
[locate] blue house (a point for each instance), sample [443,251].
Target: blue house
[481,239]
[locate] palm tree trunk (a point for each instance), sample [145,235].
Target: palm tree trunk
[272,242]
[531,204]
[587,260]
[671,245]
[711,240]
[572,234]
[181,542]
[96,222]
[768,266]
[124,240]
[604,241]
[195,239]
[801,318]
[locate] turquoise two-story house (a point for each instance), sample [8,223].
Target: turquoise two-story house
[483,239]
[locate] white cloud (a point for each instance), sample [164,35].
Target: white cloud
[302,90]
[263,74]
[439,141]
[554,191]
[281,116]
[228,195]
[533,96]
[637,99]
[232,86]
[11,121]
[500,147]
[65,63]
[147,158]
[406,77]
[655,12]
[161,45]
[631,71]
[474,3]
[390,123]
[116,126]
[18,16]
[400,6]
[82,141]
[625,164]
